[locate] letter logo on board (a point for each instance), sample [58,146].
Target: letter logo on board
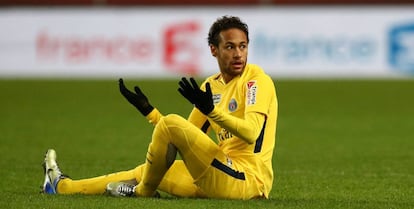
[401,47]
[181,53]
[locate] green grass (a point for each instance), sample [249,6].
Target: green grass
[340,144]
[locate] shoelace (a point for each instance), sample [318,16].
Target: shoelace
[126,190]
[56,168]
[61,174]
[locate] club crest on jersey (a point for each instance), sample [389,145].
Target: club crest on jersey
[216,98]
[232,105]
[251,92]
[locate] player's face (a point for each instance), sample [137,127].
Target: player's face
[231,53]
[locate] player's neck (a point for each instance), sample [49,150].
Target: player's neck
[226,78]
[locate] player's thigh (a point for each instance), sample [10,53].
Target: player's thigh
[195,147]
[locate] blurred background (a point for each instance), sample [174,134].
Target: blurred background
[343,70]
[163,38]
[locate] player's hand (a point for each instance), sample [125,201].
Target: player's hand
[202,100]
[137,98]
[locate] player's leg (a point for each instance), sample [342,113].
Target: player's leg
[174,133]
[215,173]
[56,182]
[182,187]
[95,185]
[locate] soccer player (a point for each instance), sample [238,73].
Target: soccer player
[238,103]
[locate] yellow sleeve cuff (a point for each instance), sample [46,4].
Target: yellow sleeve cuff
[154,116]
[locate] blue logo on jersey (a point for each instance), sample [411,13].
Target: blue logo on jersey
[401,48]
[232,105]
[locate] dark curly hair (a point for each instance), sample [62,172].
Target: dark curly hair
[225,23]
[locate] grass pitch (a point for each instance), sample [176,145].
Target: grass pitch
[340,143]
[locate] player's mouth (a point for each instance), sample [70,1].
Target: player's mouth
[237,64]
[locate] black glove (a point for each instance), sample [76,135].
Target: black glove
[138,99]
[202,100]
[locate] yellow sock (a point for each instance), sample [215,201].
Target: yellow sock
[96,185]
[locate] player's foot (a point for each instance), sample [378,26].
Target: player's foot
[52,173]
[120,189]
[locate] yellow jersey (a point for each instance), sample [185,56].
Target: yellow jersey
[251,92]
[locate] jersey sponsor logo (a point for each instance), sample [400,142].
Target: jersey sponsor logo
[250,84]
[224,135]
[216,98]
[232,105]
[251,92]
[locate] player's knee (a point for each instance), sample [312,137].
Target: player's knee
[166,128]
[171,126]
[172,119]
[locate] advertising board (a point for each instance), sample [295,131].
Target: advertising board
[164,42]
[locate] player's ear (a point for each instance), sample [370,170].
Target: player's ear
[213,50]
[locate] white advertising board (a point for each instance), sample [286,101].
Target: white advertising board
[165,42]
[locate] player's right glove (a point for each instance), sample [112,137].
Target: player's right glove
[138,99]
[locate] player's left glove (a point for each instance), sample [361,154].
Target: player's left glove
[138,99]
[192,92]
